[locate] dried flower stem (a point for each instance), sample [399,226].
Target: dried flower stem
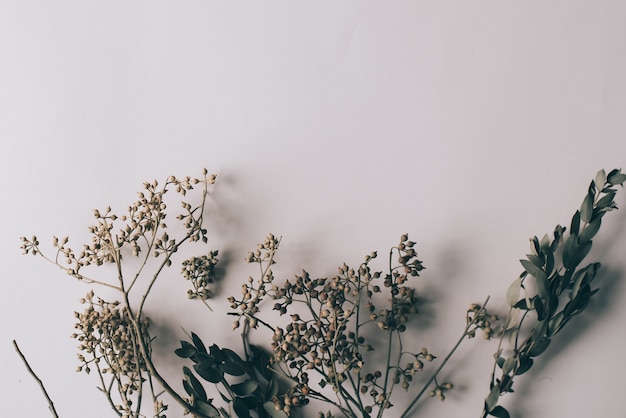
[37,379]
[445,360]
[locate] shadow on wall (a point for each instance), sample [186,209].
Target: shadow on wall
[436,290]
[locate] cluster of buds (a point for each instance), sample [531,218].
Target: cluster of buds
[201,272]
[109,342]
[296,397]
[324,337]
[477,318]
[440,390]
[404,375]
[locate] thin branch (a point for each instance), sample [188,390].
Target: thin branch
[43,389]
[445,360]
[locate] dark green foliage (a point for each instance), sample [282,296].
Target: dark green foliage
[561,293]
[246,385]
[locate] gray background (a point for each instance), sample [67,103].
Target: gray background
[471,125]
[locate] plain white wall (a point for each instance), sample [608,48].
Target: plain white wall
[338,125]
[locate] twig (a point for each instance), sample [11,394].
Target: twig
[43,389]
[445,360]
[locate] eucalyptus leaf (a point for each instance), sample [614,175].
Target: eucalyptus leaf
[558,237]
[600,180]
[568,251]
[539,308]
[537,260]
[232,368]
[580,252]
[539,331]
[589,231]
[616,178]
[492,400]
[512,294]
[245,388]
[499,412]
[198,343]
[525,363]
[586,208]
[554,324]
[216,353]
[206,409]
[208,372]
[197,387]
[549,261]
[508,365]
[535,248]
[606,200]
[539,275]
[241,408]
[186,350]
[539,347]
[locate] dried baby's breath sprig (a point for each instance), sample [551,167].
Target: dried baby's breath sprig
[200,271]
[110,344]
[114,336]
[332,326]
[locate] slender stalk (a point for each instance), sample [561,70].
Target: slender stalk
[445,360]
[38,380]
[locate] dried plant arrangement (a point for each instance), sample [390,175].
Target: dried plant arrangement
[335,341]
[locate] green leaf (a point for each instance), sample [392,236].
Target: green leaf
[245,388]
[241,409]
[581,252]
[600,179]
[231,356]
[535,248]
[216,353]
[558,237]
[539,308]
[554,324]
[525,363]
[549,262]
[508,365]
[492,400]
[539,331]
[545,242]
[539,275]
[499,412]
[568,252]
[187,350]
[539,347]
[512,294]
[584,277]
[206,409]
[198,390]
[606,200]
[537,260]
[208,372]
[590,231]
[198,343]
[232,369]
[586,208]
[261,361]
[615,177]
